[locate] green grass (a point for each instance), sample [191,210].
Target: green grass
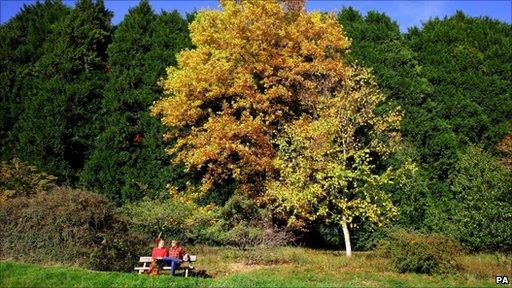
[28,275]
[282,267]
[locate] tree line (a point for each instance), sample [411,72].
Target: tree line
[77,93]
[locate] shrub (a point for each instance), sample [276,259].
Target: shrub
[18,179]
[67,226]
[262,234]
[120,248]
[57,226]
[153,218]
[421,253]
[481,210]
[240,223]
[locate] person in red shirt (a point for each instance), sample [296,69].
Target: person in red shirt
[158,253]
[176,253]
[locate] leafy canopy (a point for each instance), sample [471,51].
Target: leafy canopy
[56,129]
[128,161]
[255,67]
[331,164]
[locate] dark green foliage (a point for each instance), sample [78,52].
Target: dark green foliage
[56,128]
[414,195]
[377,44]
[21,42]
[466,61]
[364,236]
[452,79]
[129,162]
[481,214]
[421,253]
[235,223]
[240,209]
[239,223]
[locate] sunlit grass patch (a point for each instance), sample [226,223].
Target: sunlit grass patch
[279,267]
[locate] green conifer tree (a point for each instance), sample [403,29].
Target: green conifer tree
[57,127]
[129,162]
[452,79]
[21,43]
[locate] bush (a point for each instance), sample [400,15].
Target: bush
[120,248]
[262,234]
[67,226]
[18,179]
[421,253]
[238,223]
[481,210]
[169,219]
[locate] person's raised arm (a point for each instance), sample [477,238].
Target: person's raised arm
[183,253]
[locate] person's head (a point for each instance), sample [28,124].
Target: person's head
[159,242]
[174,243]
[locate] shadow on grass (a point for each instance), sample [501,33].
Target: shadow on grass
[199,274]
[192,274]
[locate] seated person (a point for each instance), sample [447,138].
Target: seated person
[158,253]
[175,256]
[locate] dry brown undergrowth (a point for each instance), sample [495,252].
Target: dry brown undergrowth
[485,266]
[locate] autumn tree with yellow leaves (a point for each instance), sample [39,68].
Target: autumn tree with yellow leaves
[255,67]
[330,163]
[266,99]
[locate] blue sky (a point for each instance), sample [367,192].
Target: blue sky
[406,13]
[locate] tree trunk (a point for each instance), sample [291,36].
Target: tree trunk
[346,234]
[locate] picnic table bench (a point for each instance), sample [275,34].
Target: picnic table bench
[185,265]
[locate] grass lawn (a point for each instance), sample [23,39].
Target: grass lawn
[282,267]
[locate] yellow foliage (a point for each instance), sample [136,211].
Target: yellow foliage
[326,161]
[256,66]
